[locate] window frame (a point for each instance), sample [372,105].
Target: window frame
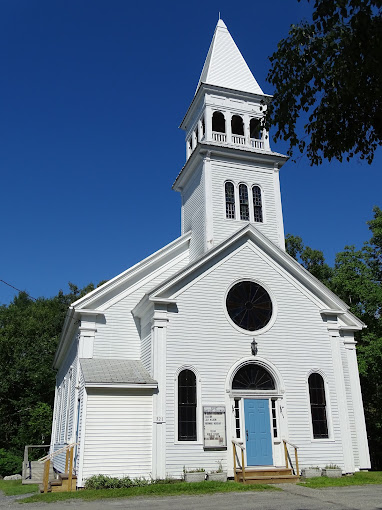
[199,417]
[251,207]
[327,408]
[253,203]
[234,200]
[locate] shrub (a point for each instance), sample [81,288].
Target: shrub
[10,463]
[108,482]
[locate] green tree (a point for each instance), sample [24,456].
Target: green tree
[329,72]
[312,260]
[29,334]
[357,280]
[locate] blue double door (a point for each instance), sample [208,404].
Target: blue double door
[258,432]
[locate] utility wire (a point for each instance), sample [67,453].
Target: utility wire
[9,285]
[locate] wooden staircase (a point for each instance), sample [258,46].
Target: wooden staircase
[266,475]
[64,483]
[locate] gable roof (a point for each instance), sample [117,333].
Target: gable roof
[225,65]
[169,289]
[97,301]
[114,371]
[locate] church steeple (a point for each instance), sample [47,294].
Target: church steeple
[225,65]
[231,175]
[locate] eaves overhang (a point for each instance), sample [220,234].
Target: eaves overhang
[331,301]
[231,152]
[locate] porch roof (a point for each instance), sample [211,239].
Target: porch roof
[115,371]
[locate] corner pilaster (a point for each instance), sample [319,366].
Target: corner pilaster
[159,359]
[340,391]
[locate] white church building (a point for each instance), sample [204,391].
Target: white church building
[220,337]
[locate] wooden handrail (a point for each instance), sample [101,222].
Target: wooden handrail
[69,448]
[235,443]
[287,455]
[61,450]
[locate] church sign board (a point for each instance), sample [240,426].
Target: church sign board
[214,427]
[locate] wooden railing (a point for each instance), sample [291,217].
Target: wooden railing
[235,443]
[27,463]
[69,448]
[287,457]
[238,139]
[257,144]
[219,137]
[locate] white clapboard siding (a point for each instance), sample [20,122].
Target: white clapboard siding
[65,402]
[118,335]
[201,335]
[118,433]
[250,175]
[194,212]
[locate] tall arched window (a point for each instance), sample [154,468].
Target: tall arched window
[187,402]
[229,200]
[318,406]
[218,122]
[244,205]
[257,204]
[237,125]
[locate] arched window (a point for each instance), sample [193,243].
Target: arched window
[257,204]
[229,200]
[318,406]
[237,125]
[253,377]
[187,406]
[218,122]
[255,129]
[203,128]
[244,205]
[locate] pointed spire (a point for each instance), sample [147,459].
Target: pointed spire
[225,65]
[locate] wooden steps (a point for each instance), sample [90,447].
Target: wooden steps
[266,476]
[61,484]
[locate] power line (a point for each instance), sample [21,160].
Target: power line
[13,287]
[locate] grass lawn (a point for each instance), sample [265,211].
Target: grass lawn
[172,489]
[361,478]
[14,487]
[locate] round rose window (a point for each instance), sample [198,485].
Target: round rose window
[249,305]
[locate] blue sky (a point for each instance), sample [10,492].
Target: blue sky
[92,94]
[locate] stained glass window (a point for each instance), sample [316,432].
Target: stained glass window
[249,305]
[253,377]
[187,406]
[257,205]
[318,406]
[244,204]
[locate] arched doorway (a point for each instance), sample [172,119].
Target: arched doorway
[255,389]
